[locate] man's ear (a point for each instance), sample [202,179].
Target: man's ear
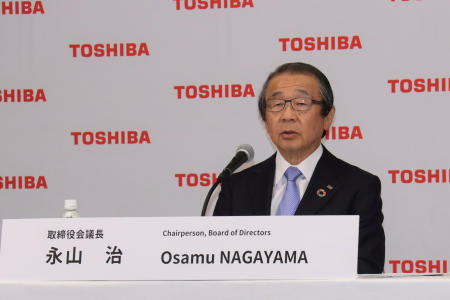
[329,119]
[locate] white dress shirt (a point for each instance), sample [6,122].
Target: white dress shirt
[307,167]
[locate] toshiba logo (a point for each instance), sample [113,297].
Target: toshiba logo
[205,91]
[110,137]
[419,85]
[324,43]
[22,8]
[110,50]
[403,1]
[22,95]
[420,176]
[344,133]
[194,179]
[419,266]
[211,4]
[23,182]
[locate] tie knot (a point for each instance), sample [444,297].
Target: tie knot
[292,173]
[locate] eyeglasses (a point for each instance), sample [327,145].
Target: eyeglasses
[297,104]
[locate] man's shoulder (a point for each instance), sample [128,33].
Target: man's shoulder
[345,169]
[327,163]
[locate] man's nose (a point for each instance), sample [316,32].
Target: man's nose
[288,113]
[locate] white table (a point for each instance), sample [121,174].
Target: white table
[408,288]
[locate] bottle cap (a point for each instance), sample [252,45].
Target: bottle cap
[70,204]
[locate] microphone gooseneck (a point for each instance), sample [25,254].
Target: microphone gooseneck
[243,154]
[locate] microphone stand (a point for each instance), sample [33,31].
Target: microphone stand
[244,153]
[211,190]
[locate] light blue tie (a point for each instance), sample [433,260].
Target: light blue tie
[291,197]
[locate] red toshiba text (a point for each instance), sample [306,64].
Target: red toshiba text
[22,8]
[211,4]
[205,91]
[193,179]
[22,182]
[23,95]
[419,85]
[109,50]
[419,266]
[320,43]
[110,137]
[420,176]
[344,133]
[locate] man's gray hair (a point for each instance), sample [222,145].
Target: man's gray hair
[299,68]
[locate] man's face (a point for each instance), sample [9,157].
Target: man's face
[296,134]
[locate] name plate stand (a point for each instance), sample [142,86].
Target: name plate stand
[180,248]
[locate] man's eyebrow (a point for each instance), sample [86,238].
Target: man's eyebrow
[300,92]
[276,94]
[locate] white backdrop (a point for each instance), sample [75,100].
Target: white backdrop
[384,84]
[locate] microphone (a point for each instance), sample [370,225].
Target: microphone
[244,153]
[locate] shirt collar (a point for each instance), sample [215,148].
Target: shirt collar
[307,166]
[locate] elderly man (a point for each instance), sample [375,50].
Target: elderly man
[303,177]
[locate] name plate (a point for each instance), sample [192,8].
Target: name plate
[180,248]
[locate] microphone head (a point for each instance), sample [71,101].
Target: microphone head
[247,149]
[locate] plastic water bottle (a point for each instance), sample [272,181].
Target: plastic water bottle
[70,209]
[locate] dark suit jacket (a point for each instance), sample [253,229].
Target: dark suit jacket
[349,191]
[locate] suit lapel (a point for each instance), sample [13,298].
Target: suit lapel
[261,185]
[321,187]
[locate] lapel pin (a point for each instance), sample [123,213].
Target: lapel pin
[321,193]
[330,187]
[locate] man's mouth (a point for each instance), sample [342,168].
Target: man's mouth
[289,133]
